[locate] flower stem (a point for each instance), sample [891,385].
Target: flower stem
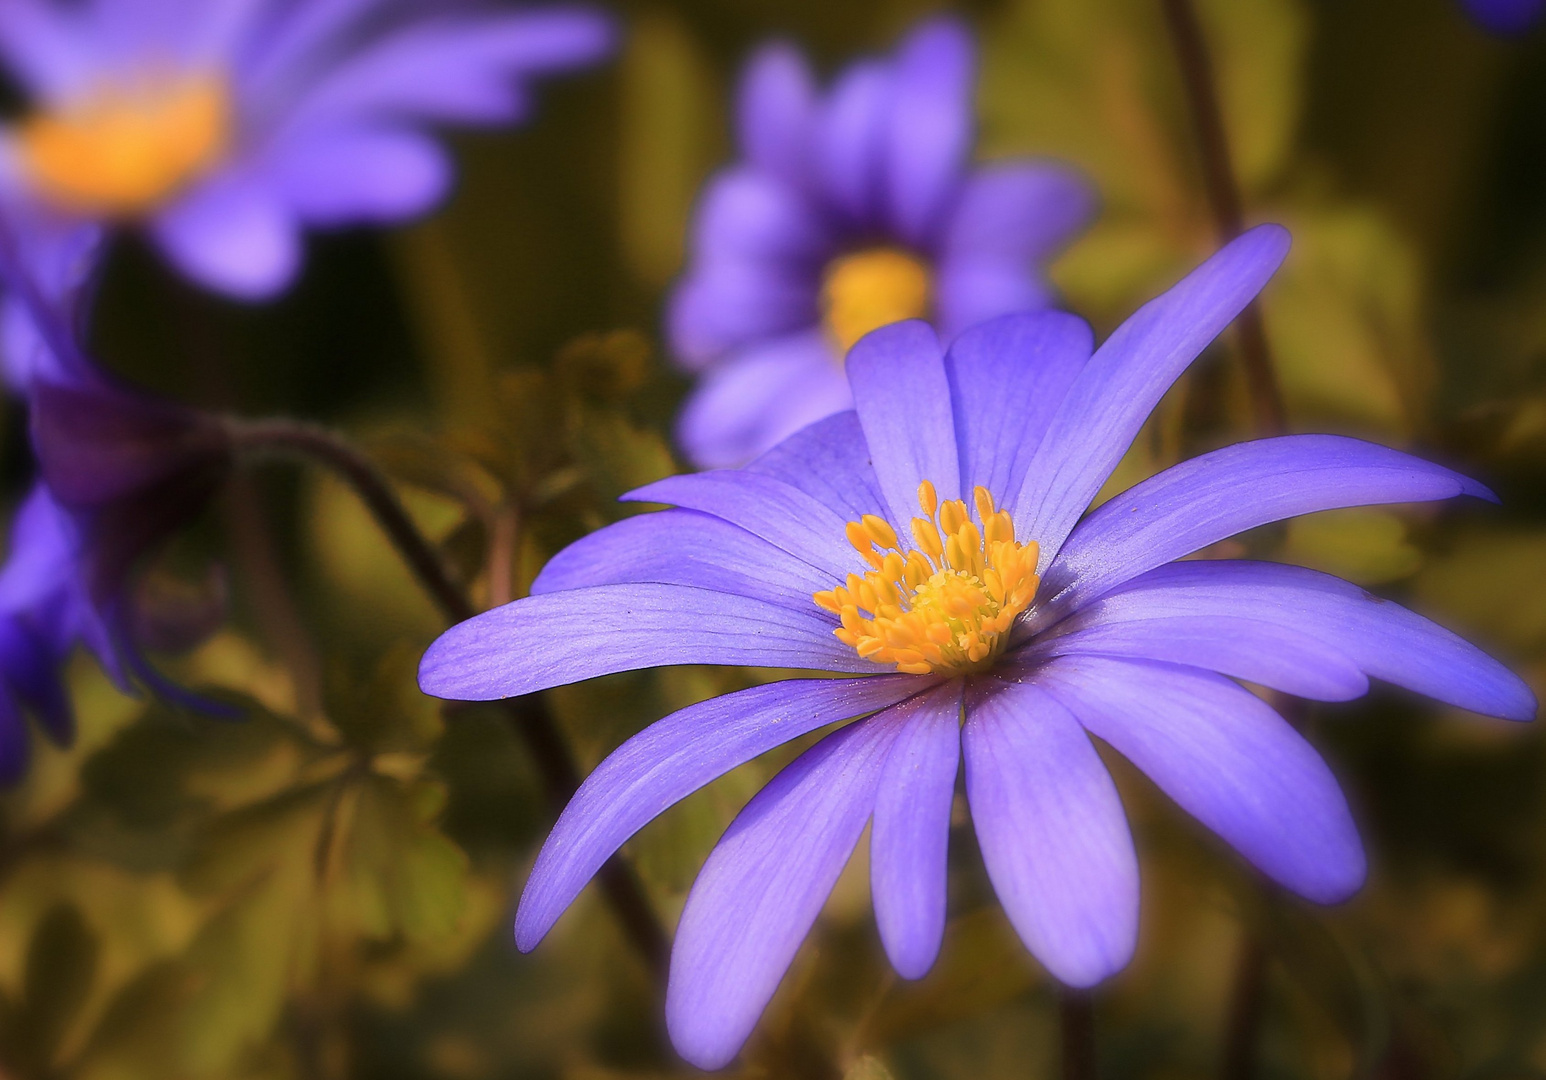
[1245,1010]
[528,715]
[1076,1024]
[1224,201]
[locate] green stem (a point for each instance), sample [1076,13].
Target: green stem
[529,715]
[1224,201]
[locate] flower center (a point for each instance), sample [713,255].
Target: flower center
[946,605]
[871,289]
[127,147]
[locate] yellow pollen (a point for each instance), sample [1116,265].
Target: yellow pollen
[125,149]
[870,289]
[946,605]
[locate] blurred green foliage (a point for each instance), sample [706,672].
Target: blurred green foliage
[323,890]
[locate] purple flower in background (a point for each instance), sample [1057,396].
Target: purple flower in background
[225,128]
[45,611]
[848,211]
[933,547]
[1506,17]
[120,470]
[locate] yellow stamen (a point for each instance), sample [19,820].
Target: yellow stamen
[126,149]
[871,289]
[947,605]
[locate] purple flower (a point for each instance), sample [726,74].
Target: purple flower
[224,128]
[45,611]
[1506,17]
[933,547]
[848,211]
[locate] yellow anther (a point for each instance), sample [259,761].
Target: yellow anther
[870,289]
[947,604]
[125,149]
[927,499]
[878,530]
[984,503]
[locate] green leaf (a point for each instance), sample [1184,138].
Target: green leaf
[405,877]
[60,971]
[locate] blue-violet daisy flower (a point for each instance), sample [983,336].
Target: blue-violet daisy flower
[224,127]
[848,211]
[933,547]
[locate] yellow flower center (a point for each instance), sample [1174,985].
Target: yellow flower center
[871,289]
[946,605]
[126,148]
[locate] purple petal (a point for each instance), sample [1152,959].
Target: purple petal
[1007,379]
[730,303]
[903,400]
[1009,221]
[1507,18]
[671,759]
[911,834]
[781,514]
[753,400]
[561,638]
[1125,379]
[234,235]
[1228,760]
[1019,211]
[33,668]
[461,69]
[850,137]
[830,462]
[1236,644]
[1214,496]
[929,133]
[747,214]
[682,547]
[777,112]
[760,891]
[1052,831]
[42,46]
[332,177]
[1383,639]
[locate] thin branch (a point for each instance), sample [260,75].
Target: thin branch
[528,715]
[1247,1001]
[1076,1027]
[1224,201]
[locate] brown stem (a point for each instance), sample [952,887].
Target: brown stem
[1076,1027]
[528,715]
[1246,1004]
[1224,202]
[504,539]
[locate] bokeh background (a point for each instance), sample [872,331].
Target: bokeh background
[324,890]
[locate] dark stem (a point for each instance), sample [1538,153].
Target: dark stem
[528,715]
[1224,202]
[1076,1024]
[1245,1010]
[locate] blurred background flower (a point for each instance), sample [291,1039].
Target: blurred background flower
[225,128]
[851,210]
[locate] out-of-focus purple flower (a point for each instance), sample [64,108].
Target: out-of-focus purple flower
[933,547]
[224,128]
[849,210]
[1506,17]
[120,470]
[45,611]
